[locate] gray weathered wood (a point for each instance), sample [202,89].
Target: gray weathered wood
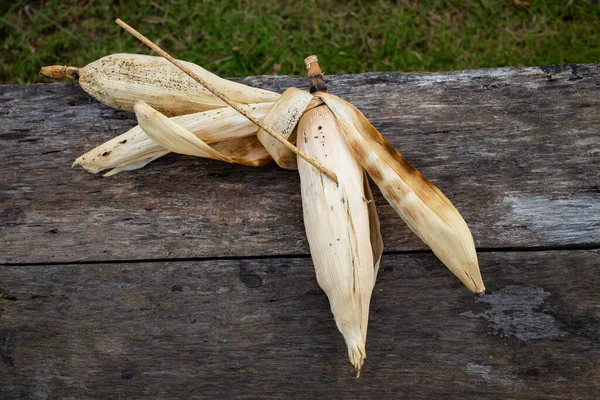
[516,150]
[262,329]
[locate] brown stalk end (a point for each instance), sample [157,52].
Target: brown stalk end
[315,76]
[60,71]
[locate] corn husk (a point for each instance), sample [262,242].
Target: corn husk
[168,134]
[283,118]
[340,221]
[423,207]
[121,80]
[223,129]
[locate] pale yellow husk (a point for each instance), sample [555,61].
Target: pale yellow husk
[121,80]
[423,207]
[339,227]
[172,136]
[223,129]
[283,118]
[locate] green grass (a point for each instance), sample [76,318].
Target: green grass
[237,38]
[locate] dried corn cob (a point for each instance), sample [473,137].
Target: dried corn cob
[121,80]
[339,223]
[336,218]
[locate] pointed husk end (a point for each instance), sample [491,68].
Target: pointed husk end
[81,162]
[357,356]
[473,281]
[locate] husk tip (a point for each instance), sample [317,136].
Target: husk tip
[474,283]
[357,358]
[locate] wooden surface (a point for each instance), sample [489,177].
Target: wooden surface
[192,278]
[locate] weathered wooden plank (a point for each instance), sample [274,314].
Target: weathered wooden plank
[516,150]
[263,329]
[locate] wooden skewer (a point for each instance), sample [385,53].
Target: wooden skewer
[229,102]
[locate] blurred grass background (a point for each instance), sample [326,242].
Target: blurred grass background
[238,38]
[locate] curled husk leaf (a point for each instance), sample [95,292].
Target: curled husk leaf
[224,129]
[423,207]
[283,118]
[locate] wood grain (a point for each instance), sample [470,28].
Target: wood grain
[516,150]
[262,329]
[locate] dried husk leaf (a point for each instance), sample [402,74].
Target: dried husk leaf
[247,151]
[121,80]
[134,149]
[421,205]
[283,118]
[172,136]
[135,164]
[338,226]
